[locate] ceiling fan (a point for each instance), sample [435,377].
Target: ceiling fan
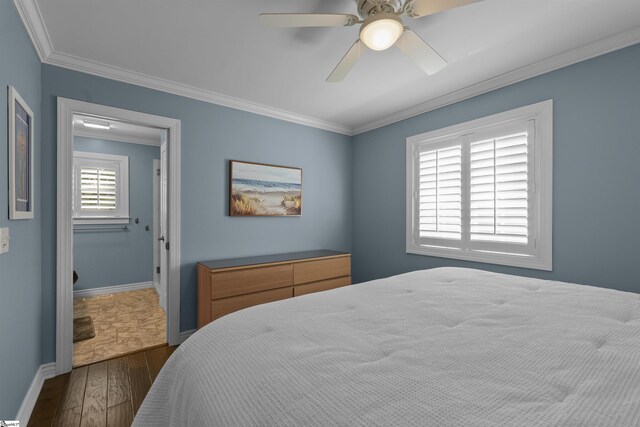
[381,28]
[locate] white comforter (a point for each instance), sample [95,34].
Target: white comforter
[442,347]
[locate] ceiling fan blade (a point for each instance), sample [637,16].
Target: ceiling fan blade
[346,63]
[418,8]
[307,19]
[420,52]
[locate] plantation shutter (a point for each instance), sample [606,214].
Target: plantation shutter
[499,189]
[98,187]
[482,190]
[439,213]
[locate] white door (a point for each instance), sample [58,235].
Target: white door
[162,240]
[156,225]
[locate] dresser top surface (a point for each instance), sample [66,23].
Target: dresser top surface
[268,259]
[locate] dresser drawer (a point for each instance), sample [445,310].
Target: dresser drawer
[323,285]
[238,282]
[228,285]
[313,271]
[224,306]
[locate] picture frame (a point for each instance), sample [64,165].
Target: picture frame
[21,148]
[259,189]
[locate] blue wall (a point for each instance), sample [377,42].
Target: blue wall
[20,272]
[211,136]
[596,183]
[596,151]
[122,257]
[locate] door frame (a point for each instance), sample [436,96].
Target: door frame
[64,231]
[156,223]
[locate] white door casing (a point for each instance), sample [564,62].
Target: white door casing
[156,225]
[64,226]
[163,243]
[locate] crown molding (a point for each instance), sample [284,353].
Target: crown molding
[32,18]
[33,21]
[570,57]
[132,77]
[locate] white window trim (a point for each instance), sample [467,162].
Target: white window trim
[122,214]
[542,113]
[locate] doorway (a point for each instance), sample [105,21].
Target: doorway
[118,288]
[87,219]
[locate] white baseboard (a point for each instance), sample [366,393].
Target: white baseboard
[184,335]
[48,370]
[84,293]
[29,402]
[157,286]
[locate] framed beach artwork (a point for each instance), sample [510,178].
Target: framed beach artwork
[257,189]
[21,132]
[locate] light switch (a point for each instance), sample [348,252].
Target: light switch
[4,240]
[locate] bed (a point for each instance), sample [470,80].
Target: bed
[440,347]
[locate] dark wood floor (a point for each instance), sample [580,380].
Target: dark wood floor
[107,393]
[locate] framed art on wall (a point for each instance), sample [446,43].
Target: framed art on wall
[258,189]
[21,132]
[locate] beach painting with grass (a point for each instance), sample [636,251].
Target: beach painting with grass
[264,190]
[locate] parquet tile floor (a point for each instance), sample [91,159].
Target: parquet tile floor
[124,322]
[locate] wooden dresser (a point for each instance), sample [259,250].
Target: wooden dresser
[229,285]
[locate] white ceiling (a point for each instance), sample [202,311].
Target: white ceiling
[221,48]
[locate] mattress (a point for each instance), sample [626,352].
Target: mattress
[440,347]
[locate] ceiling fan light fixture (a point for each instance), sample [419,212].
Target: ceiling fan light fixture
[381,31]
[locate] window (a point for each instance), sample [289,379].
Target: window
[101,188]
[482,190]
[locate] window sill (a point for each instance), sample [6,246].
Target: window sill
[98,221]
[525,261]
